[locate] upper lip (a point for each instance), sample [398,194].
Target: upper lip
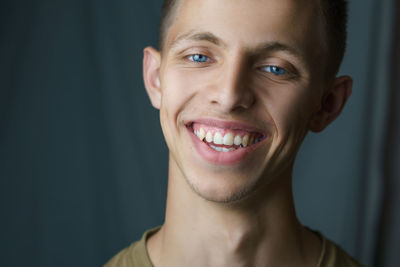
[225,124]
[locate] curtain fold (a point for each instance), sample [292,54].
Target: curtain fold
[378,92]
[389,241]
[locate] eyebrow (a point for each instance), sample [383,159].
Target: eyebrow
[197,36]
[275,46]
[271,46]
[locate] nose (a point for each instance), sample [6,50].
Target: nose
[232,91]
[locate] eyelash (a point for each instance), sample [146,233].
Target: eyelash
[273,69]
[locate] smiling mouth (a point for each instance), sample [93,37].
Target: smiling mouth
[225,139]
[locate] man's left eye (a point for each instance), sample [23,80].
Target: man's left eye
[275,70]
[199,58]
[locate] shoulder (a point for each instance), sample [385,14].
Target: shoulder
[334,256]
[133,256]
[126,257]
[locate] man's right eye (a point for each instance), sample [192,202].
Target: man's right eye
[199,58]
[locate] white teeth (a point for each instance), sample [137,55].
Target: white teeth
[228,139]
[218,140]
[209,137]
[245,140]
[238,140]
[201,134]
[222,149]
[219,149]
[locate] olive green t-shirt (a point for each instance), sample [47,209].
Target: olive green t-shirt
[136,255]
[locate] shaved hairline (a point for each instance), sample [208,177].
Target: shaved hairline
[169,10]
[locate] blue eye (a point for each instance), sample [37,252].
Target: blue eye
[198,58]
[275,70]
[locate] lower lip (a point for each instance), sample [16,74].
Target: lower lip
[222,158]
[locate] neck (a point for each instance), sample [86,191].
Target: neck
[261,230]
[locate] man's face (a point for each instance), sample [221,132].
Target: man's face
[239,82]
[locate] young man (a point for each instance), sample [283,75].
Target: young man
[239,83]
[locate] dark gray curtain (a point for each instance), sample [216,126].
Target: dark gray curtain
[82,159]
[389,238]
[83,164]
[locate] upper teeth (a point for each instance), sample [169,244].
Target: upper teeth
[218,139]
[238,140]
[209,137]
[245,140]
[228,139]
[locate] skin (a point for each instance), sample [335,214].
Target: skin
[242,214]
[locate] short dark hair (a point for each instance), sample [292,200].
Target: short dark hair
[334,14]
[169,7]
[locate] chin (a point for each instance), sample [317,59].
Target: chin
[222,191]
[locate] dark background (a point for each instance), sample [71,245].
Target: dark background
[83,164]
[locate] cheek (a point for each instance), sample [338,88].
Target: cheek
[175,90]
[185,91]
[179,86]
[178,90]
[290,109]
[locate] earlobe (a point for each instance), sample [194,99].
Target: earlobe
[332,103]
[151,75]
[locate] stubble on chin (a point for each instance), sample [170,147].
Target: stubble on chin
[220,194]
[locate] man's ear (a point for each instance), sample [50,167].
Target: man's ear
[151,75]
[332,103]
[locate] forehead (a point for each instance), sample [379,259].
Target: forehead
[247,23]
